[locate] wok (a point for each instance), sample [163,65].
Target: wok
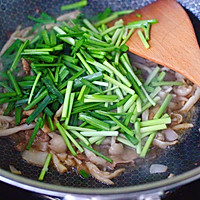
[182,159]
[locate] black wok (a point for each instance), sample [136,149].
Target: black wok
[182,159]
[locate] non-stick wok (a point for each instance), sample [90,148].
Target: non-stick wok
[182,159]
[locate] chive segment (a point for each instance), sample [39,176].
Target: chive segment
[34,85]
[83,174]
[66,100]
[167,83]
[45,167]
[36,100]
[157,116]
[14,82]
[71,101]
[117,83]
[34,133]
[18,113]
[63,134]
[94,122]
[74,5]
[163,106]
[39,109]
[18,56]
[100,133]
[145,43]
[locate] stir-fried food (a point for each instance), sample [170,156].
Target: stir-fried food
[72,96]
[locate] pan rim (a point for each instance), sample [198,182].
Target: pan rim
[62,191]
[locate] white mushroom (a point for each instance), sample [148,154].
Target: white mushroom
[42,146]
[103,176]
[162,144]
[10,131]
[192,100]
[4,121]
[14,170]
[160,136]
[6,118]
[58,165]
[62,156]
[176,118]
[162,94]
[182,126]
[183,90]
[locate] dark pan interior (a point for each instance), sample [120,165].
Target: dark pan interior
[180,158]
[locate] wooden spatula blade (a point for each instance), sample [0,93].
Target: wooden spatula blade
[173,42]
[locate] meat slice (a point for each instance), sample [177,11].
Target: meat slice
[57,143]
[26,66]
[40,142]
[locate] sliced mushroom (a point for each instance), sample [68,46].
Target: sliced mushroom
[102,176]
[162,144]
[59,166]
[10,131]
[192,100]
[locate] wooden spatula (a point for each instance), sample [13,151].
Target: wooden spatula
[173,43]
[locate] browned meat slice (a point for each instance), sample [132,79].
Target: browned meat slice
[26,66]
[40,142]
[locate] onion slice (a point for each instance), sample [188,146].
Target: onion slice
[157,168]
[170,134]
[14,170]
[182,126]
